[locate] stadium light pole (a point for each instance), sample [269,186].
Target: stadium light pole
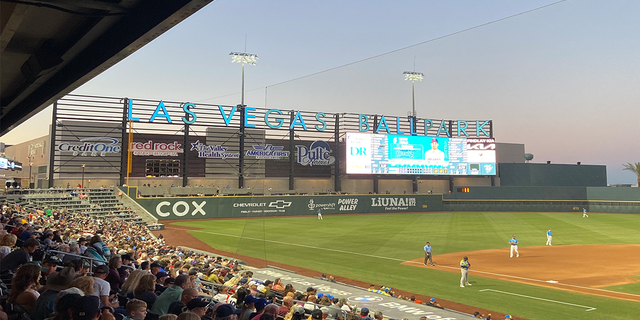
[413,76]
[82,184]
[243,58]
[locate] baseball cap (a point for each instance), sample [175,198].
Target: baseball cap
[299,310]
[196,303]
[126,256]
[432,299]
[261,303]
[161,274]
[434,140]
[193,271]
[268,282]
[157,265]
[364,311]
[320,295]
[243,280]
[53,260]
[86,308]
[250,299]
[101,269]
[508,316]
[316,314]
[252,283]
[226,310]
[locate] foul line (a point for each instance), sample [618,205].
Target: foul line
[530,297]
[402,260]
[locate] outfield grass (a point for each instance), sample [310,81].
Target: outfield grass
[370,248]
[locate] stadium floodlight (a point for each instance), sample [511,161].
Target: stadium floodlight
[243,58]
[413,77]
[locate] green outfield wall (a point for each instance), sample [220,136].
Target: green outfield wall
[171,208]
[544,199]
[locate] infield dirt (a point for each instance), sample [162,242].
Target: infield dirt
[581,268]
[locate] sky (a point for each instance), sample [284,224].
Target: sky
[563,80]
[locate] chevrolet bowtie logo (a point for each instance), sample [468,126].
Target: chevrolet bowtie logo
[280,204]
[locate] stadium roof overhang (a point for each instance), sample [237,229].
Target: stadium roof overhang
[50,48]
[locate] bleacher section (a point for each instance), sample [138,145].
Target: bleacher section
[99,203]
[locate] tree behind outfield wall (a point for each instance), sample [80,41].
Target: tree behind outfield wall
[635,168]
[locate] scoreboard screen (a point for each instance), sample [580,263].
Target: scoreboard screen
[399,154]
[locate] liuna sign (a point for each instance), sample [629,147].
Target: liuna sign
[230,207]
[276,118]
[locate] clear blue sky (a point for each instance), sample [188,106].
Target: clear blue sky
[563,80]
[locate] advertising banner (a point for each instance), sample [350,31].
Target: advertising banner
[235,207]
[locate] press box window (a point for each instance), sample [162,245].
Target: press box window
[162,168]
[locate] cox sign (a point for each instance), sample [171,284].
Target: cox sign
[180,208]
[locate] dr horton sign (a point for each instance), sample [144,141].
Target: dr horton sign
[230,207]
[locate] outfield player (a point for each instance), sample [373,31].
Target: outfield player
[514,247]
[319,214]
[584,213]
[464,270]
[549,237]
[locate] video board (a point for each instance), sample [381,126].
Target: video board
[400,154]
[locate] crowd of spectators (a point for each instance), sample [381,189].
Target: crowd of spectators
[57,265]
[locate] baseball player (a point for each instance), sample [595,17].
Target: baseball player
[427,254]
[319,214]
[464,270]
[514,247]
[549,237]
[584,213]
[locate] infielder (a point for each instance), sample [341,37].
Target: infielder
[319,214]
[514,247]
[549,237]
[464,270]
[584,213]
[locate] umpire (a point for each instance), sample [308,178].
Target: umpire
[427,254]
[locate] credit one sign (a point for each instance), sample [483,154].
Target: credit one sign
[95,146]
[276,118]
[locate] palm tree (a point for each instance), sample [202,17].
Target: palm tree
[633,167]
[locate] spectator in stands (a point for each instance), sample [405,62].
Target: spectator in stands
[161,277]
[20,256]
[188,294]
[197,306]
[432,302]
[270,309]
[114,278]
[155,268]
[87,308]
[171,294]
[132,281]
[64,306]
[27,234]
[56,282]
[23,287]
[316,315]
[82,245]
[378,315]
[49,265]
[248,307]
[364,313]
[6,244]
[136,310]
[74,250]
[101,247]
[145,290]
[287,303]
[85,284]
[101,288]
[277,285]
[188,316]
[289,288]
[310,305]
[223,295]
